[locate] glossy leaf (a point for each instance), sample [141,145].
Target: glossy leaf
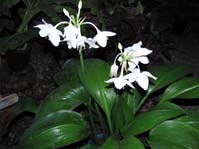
[132,99]
[111,142]
[96,72]
[69,75]
[65,97]
[128,142]
[192,119]
[55,130]
[131,142]
[147,120]
[122,115]
[174,134]
[166,74]
[184,88]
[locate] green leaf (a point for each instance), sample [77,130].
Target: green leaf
[111,142]
[132,99]
[16,40]
[55,130]
[174,134]
[131,142]
[65,97]
[166,74]
[128,142]
[93,78]
[192,119]
[184,88]
[69,74]
[147,120]
[122,115]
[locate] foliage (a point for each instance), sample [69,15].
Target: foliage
[163,120]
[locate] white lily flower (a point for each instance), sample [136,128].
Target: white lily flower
[50,31]
[137,54]
[71,34]
[102,37]
[142,78]
[120,82]
[91,42]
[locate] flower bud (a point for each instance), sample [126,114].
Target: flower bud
[113,71]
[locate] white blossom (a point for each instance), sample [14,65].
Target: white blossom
[102,36]
[50,31]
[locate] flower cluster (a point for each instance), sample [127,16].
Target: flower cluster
[130,71]
[72,32]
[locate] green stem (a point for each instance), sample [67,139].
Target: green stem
[92,121]
[109,123]
[142,101]
[100,118]
[81,60]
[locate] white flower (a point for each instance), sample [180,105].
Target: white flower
[91,42]
[131,56]
[142,78]
[113,71]
[138,54]
[71,33]
[135,54]
[50,31]
[120,82]
[102,37]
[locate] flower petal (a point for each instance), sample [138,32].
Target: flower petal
[55,39]
[143,82]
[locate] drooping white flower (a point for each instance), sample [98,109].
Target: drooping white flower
[102,36]
[136,54]
[113,71]
[129,60]
[142,78]
[91,42]
[50,31]
[120,82]
[71,34]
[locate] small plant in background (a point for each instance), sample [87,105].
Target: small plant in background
[112,112]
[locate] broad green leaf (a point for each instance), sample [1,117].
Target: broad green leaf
[55,130]
[128,142]
[192,119]
[16,40]
[131,142]
[175,135]
[111,143]
[65,97]
[184,88]
[132,98]
[147,120]
[166,74]
[95,74]
[69,74]
[122,115]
